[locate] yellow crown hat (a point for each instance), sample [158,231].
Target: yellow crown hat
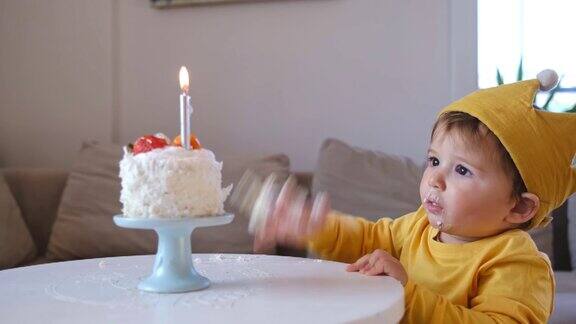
[541,143]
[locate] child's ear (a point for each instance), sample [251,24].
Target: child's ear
[524,209]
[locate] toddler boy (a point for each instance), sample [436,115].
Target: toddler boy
[497,166]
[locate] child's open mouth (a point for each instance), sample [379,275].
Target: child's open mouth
[432,206]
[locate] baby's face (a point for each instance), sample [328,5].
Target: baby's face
[465,190]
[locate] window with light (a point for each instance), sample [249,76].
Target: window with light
[519,38]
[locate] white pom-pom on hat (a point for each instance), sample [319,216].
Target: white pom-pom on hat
[548,79]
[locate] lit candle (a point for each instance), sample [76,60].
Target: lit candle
[185,108]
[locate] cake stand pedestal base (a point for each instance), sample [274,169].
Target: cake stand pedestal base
[173,267]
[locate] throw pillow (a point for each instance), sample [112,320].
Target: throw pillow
[367,183]
[16,244]
[84,227]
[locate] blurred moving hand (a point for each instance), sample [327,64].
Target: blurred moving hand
[291,218]
[280,212]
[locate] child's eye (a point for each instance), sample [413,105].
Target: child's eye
[462,170]
[433,161]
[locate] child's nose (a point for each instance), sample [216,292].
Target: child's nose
[436,180]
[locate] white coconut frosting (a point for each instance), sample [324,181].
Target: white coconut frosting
[172,182]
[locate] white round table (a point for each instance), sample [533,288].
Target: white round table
[245,288]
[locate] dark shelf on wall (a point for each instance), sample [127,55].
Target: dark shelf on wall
[161,4]
[560,241]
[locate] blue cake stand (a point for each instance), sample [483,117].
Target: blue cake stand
[173,268]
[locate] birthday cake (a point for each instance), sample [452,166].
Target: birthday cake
[161,179]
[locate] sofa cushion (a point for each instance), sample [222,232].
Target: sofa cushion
[367,183]
[16,244]
[37,192]
[84,227]
[564,308]
[566,282]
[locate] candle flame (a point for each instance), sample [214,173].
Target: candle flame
[184,79]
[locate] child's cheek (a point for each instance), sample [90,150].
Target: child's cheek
[423,189]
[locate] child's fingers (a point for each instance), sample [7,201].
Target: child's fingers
[293,216]
[304,219]
[298,212]
[284,198]
[376,256]
[319,212]
[364,263]
[309,216]
[268,235]
[265,238]
[359,264]
[282,209]
[388,265]
[297,219]
[379,267]
[264,245]
[352,267]
[374,260]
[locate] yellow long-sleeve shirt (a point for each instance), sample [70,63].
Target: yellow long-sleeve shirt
[498,279]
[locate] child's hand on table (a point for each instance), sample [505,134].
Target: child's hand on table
[380,262]
[294,218]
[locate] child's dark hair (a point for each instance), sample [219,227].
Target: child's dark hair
[475,130]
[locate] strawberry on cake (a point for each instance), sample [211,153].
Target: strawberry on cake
[161,179]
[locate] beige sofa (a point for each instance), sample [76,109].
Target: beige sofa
[54,203]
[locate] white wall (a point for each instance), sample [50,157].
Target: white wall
[55,71]
[266,77]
